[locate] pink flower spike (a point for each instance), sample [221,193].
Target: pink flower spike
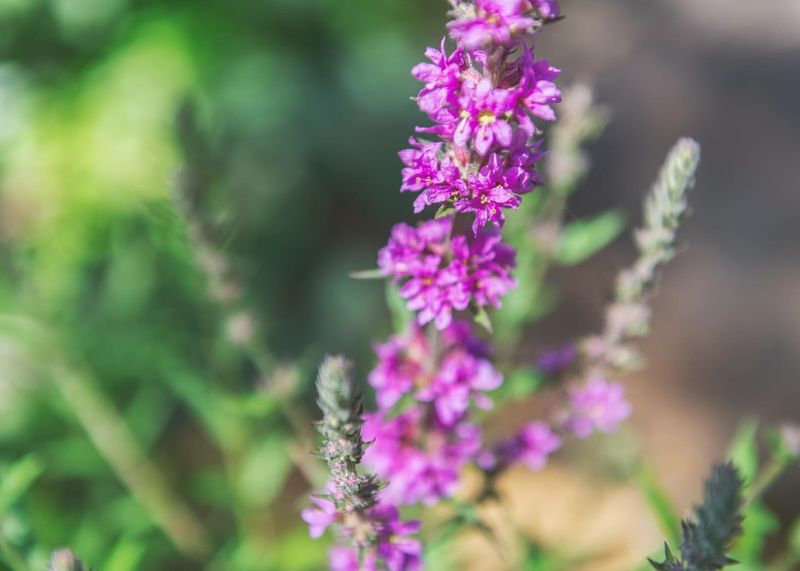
[598,405]
[319,518]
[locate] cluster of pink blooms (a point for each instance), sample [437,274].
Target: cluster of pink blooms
[484,100]
[597,405]
[421,451]
[390,549]
[441,273]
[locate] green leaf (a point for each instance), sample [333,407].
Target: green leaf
[264,470]
[126,556]
[744,450]
[758,523]
[444,211]
[482,318]
[397,307]
[584,238]
[794,538]
[18,479]
[374,274]
[659,503]
[520,384]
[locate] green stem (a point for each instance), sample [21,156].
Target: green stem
[771,472]
[117,444]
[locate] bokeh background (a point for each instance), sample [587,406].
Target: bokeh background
[303,105]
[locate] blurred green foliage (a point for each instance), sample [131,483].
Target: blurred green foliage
[305,105]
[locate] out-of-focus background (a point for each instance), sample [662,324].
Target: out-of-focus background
[305,104]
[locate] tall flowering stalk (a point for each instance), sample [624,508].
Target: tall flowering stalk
[485,99]
[482,98]
[372,535]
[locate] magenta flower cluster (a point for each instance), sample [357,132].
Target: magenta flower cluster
[597,405]
[483,99]
[441,273]
[421,451]
[483,104]
[594,405]
[390,544]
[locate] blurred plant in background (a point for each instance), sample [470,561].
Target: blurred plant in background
[170,279]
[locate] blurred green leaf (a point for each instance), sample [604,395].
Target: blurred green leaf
[482,318]
[211,486]
[743,450]
[444,211]
[520,384]
[253,405]
[297,551]
[73,456]
[374,274]
[126,555]
[397,307]
[794,537]
[264,470]
[583,238]
[758,523]
[18,478]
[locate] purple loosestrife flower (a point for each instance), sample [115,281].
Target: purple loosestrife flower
[490,21]
[489,195]
[446,184]
[418,457]
[321,517]
[442,78]
[531,446]
[401,366]
[484,109]
[397,551]
[346,559]
[393,549]
[554,361]
[598,405]
[461,377]
[406,365]
[440,275]
[548,9]
[421,165]
[487,263]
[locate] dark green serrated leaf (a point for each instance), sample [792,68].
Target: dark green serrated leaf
[706,539]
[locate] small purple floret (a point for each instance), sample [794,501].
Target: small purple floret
[598,405]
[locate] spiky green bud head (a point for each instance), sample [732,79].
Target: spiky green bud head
[338,395]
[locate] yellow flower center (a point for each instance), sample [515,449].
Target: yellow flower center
[486,117]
